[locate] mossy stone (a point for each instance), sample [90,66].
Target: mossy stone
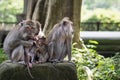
[46,71]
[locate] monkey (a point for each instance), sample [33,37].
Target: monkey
[18,39]
[42,50]
[14,41]
[59,41]
[41,55]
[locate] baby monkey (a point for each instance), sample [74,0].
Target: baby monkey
[37,53]
[41,55]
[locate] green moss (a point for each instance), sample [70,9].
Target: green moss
[3,56]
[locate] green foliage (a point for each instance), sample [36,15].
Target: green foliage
[3,56]
[102,68]
[92,44]
[104,16]
[92,4]
[9,9]
[116,59]
[101,15]
[104,12]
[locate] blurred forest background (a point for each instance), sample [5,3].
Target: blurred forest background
[92,10]
[9,9]
[100,15]
[103,11]
[106,12]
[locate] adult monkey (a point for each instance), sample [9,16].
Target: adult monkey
[60,40]
[17,39]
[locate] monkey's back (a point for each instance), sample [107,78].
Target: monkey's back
[11,37]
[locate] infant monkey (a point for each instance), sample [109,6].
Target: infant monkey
[41,50]
[41,55]
[37,53]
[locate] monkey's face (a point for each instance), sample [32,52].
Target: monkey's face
[26,33]
[68,27]
[34,25]
[40,40]
[29,28]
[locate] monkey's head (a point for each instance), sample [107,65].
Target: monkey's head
[66,22]
[27,29]
[68,25]
[33,25]
[25,23]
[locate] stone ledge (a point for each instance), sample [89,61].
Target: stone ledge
[46,71]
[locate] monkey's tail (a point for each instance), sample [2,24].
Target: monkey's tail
[88,72]
[29,71]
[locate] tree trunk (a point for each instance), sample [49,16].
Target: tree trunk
[50,12]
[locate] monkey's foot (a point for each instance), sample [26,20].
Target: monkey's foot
[55,61]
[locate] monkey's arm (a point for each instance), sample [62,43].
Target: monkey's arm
[14,43]
[69,43]
[26,43]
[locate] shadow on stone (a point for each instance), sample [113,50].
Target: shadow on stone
[46,71]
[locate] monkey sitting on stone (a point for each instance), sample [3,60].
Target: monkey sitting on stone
[60,40]
[18,39]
